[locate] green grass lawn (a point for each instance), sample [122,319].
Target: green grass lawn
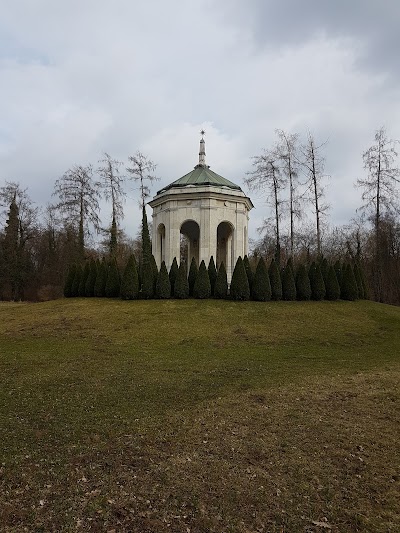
[197,416]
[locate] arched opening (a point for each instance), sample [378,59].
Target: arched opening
[190,242]
[160,244]
[225,248]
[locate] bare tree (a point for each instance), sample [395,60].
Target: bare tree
[266,177]
[287,155]
[313,164]
[112,184]
[141,172]
[79,196]
[380,191]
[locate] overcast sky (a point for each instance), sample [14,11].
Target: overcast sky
[79,77]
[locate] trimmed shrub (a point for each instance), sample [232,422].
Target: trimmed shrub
[338,271]
[155,270]
[303,286]
[130,280]
[261,289]
[84,278]
[212,274]
[332,285]
[69,280]
[163,285]
[202,285]
[324,266]
[349,285]
[173,273]
[289,264]
[221,283]
[101,280]
[77,281]
[288,284]
[317,284]
[181,287]
[89,287]
[360,287]
[193,271]
[275,281]
[147,288]
[239,289]
[249,271]
[113,281]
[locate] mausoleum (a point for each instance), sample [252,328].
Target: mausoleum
[209,210]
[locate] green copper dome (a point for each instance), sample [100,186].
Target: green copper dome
[199,177]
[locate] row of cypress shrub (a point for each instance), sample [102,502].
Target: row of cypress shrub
[318,281]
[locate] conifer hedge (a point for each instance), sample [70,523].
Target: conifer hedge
[332,285]
[130,280]
[317,283]
[239,289]
[193,271]
[288,284]
[69,280]
[83,280]
[221,283]
[212,274]
[181,287]
[249,271]
[112,287]
[91,280]
[163,285]
[261,289]
[173,273]
[202,285]
[101,280]
[303,286]
[77,281]
[275,281]
[349,289]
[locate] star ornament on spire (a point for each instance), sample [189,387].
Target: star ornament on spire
[202,133]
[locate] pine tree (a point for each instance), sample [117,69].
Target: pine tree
[349,284]
[332,285]
[113,280]
[77,281]
[69,280]
[239,289]
[249,271]
[181,287]
[275,281]
[261,289]
[303,286]
[193,271]
[288,284]
[317,284]
[130,280]
[212,274]
[221,283]
[202,285]
[91,280]
[101,279]
[173,273]
[163,285]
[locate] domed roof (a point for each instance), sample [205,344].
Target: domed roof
[199,177]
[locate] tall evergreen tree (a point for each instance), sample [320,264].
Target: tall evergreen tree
[249,271]
[147,270]
[275,281]
[317,284]
[332,285]
[261,289]
[239,289]
[113,280]
[202,285]
[324,266]
[303,286]
[173,274]
[69,280]
[163,285]
[11,251]
[221,283]
[359,283]
[130,280]
[339,273]
[212,274]
[193,271]
[155,270]
[181,286]
[288,284]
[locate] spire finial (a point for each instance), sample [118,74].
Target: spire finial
[202,153]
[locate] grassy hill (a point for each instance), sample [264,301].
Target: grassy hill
[199,416]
